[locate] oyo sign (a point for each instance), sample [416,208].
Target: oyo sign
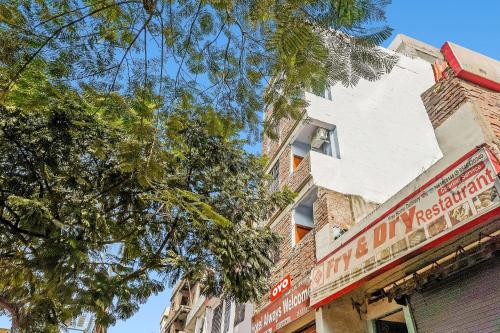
[281,287]
[287,308]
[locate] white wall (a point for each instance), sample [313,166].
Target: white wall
[207,316]
[458,135]
[246,325]
[300,148]
[385,136]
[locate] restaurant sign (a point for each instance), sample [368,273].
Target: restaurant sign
[454,201]
[284,310]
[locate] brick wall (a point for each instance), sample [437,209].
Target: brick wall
[294,179]
[270,147]
[296,261]
[446,96]
[332,207]
[285,165]
[300,174]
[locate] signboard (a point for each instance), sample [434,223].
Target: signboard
[447,205]
[284,310]
[281,287]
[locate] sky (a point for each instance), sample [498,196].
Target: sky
[472,24]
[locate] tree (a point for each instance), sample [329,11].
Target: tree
[119,141]
[85,218]
[221,53]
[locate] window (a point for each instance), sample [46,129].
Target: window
[303,221]
[217,319]
[327,93]
[300,232]
[275,173]
[239,315]
[296,161]
[326,142]
[299,149]
[398,321]
[227,315]
[334,143]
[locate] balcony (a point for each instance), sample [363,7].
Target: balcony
[179,314]
[191,316]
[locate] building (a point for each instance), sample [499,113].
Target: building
[340,159]
[369,161]
[191,312]
[173,319]
[426,260]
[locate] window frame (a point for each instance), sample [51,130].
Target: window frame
[410,325]
[275,173]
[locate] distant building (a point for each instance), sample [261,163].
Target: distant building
[173,319]
[191,312]
[84,323]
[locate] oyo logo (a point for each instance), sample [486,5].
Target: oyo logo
[281,287]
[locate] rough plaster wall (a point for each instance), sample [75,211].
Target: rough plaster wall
[445,97]
[460,133]
[384,133]
[340,317]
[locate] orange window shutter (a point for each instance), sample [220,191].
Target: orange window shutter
[300,232]
[296,161]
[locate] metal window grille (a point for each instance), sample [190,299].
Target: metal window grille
[217,318]
[227,315]
[275,173]
[239,315]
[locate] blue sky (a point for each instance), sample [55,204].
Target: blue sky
[472,24]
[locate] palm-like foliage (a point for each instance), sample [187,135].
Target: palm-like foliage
[222,53]
[118,149]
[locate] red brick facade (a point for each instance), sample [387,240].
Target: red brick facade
[446,96]
[332,207]
[295,260]
[270,147]
[298,260]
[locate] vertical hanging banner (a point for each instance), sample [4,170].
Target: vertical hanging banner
[454,201]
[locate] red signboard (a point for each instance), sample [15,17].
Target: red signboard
[454,201]
[280,288]
[284,310]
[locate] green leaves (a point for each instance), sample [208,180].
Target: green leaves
[236,58]
[120,141]
[97,212]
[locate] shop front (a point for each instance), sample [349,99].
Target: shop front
[427,262]
[289,310]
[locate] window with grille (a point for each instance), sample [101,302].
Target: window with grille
[216,319]
[239,315]
[227,315]
[275,173]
